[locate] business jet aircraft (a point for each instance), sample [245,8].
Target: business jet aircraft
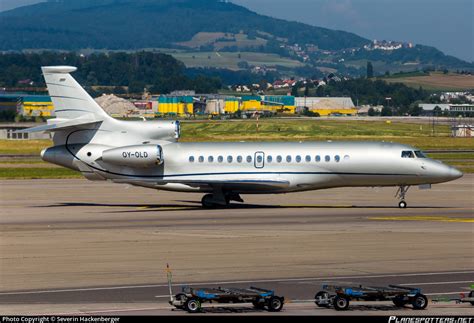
[148,154]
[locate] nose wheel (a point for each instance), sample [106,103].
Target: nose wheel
[402,190]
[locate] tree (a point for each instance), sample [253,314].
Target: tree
[370,70]
[306,89]
[294,89]
[386,111]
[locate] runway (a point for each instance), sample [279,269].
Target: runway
[73,246]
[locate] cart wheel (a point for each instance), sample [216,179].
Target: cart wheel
[192,305]
[275,304]
[399,302]
[258,305]
[341,303]
[419,302]
[181,297]
[471,294]
[322,299]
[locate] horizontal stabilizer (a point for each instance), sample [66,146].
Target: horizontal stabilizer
[62,124]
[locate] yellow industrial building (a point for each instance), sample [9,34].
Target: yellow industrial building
[37,106]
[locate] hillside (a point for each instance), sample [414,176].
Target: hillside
[197,26]
[132,24]
[435,81]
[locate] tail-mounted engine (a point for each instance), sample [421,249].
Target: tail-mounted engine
[134,156]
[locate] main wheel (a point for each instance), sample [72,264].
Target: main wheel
[192,305]
[402,204]
[207,201]
[419,302]
[322,299]
[275,304]
[341,303]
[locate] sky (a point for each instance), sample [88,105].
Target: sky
[445,24]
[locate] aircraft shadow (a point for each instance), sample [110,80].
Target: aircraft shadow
[196,205]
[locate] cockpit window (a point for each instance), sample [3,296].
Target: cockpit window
[420,154]
[408,154]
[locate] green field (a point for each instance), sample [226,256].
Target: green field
[435,81]
[418,135]
[231,59]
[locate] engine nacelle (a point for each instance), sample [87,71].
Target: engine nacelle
[134,156]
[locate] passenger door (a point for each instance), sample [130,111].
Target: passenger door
[259,160]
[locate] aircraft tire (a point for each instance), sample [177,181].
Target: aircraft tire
[206,201]
[402,205]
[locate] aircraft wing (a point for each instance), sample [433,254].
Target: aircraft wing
[236,184]
[257,184]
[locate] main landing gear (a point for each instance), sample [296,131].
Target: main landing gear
[402,190]
[219,199]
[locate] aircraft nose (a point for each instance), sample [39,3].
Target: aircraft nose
[455,173]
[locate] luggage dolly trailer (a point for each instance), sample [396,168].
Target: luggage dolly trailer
[191,299]
[468,299]
[340,295]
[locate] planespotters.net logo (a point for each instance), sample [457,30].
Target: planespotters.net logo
[396,319]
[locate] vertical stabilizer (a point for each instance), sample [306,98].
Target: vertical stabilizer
[70,100]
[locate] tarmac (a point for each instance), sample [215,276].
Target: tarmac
[76,247]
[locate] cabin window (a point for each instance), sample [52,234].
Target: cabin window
[298,159]
[259,159]
[408,154]
[269,159]
[318,158]
[420,154]
[210,159]
[220,159]
[239,159]
[308,158]
[201,159]
[191,159]
[346,157]
[327,158]
[337,158]
[249,159]
[279,159]
[288,159]
[229,159]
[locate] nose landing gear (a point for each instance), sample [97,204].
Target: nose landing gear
[402,190]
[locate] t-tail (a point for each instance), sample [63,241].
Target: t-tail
[73,106]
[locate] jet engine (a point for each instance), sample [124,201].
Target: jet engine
[134,156]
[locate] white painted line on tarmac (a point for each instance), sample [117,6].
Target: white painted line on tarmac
[448,293]
[439,283]
[233,282]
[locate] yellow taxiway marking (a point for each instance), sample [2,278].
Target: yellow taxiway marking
[423,218]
